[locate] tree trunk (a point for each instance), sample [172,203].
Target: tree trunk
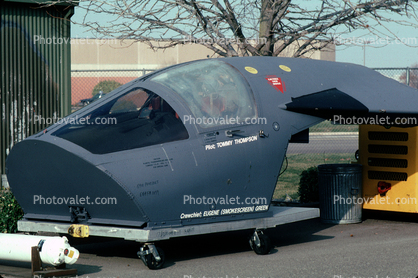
[265,28]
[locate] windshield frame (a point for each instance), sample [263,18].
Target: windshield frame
[163,79]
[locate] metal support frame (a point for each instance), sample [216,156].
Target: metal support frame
[255,238]
[39,271]
[148,248]
[281,215]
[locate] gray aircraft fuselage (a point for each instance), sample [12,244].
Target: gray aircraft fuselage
[199,142]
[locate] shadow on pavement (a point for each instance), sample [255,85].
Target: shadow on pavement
[192,247]
[390,216]
[181,249]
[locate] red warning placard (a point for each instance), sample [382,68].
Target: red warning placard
[276,82]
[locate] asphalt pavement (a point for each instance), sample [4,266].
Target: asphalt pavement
[384,245]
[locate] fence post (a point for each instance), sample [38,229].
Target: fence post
[407,75]
[4,184]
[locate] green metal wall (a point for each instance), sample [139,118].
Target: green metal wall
[35,70]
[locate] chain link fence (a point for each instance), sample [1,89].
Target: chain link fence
[86,83]
[328,143]
[83,82]
[407,76]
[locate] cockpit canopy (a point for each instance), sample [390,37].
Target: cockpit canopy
[211,89]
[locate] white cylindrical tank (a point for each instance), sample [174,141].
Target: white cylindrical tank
[52,250]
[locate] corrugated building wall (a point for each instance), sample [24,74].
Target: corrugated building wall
[35,64]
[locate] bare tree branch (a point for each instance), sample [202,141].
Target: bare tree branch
[243,27]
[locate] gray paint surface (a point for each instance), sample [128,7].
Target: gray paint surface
[151,182]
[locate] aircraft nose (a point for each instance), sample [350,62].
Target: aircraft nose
[50,182]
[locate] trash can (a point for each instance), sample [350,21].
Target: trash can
[340,196]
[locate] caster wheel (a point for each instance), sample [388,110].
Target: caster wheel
[152,263]
[265,245]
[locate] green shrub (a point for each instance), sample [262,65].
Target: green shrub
[10,212]
[308,186]
[106,86]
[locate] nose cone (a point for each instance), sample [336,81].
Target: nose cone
[52,183]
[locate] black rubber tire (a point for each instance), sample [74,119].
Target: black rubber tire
[265,243]
[152,263]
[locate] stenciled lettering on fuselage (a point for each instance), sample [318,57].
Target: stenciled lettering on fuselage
[232,142]
[220,212]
